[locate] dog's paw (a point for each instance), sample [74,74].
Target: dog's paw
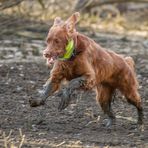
[63,104]
[65,99]
[35,102]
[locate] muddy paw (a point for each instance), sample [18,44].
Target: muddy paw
[65,100]
[36,102]
[109,122]
[63,104]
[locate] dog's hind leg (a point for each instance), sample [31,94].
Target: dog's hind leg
[133,98]
[104,97]
[129,88]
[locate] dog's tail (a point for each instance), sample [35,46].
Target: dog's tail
[130,62]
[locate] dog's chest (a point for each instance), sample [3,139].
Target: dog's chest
[72,71]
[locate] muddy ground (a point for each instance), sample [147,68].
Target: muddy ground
[80,124]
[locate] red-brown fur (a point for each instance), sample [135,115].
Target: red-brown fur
[103,69]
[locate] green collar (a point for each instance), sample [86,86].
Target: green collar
[69,51]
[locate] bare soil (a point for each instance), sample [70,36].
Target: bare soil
[80,124]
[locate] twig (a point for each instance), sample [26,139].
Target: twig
[22,138]
[5,140]
[60,144]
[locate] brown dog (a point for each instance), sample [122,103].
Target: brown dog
[88,66]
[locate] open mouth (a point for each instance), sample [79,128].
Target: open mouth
[51,60]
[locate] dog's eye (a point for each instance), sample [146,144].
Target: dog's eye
[57,41]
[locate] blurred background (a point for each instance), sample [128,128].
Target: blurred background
[27,20]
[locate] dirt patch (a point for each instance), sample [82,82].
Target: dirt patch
[79,124]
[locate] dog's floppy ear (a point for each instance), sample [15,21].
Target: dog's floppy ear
[57,21]
[71,22]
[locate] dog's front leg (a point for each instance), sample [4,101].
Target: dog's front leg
[52,85]
[67,93]
[48,89]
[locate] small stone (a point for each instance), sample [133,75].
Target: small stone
[21,74]
[19,88]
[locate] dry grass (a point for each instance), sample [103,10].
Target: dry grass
[9,142]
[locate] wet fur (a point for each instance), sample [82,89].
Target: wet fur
[100,69]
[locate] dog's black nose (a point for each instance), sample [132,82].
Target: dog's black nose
[46,55]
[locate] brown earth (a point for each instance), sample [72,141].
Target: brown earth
[79,125]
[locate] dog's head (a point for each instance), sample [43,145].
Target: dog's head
[59,35]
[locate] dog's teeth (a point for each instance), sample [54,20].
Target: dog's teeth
[50,61]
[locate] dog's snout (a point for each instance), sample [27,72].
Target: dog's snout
[46,53]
